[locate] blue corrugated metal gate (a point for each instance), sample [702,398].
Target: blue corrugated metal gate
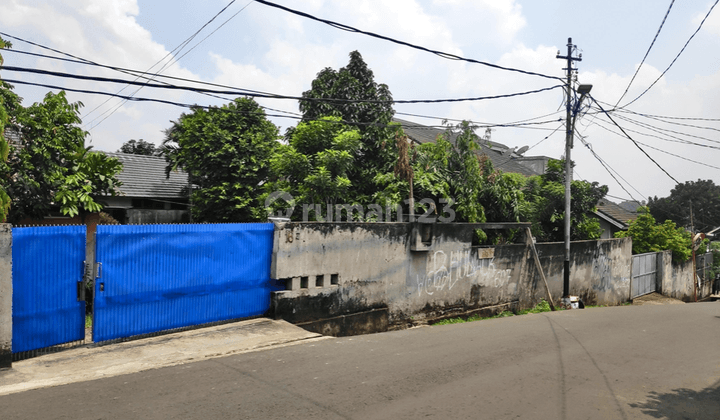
[160,277]
[47,264]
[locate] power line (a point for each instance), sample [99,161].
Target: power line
[247,92]
[179,48]
[608,168]
[407,44]
[633,140]
[140,74]
[460,120]
[676,57]
[548,136]
[646,53]
[127,71]
[191,106]
[675,138]
[661,150]
[668,118]
[621,198]
[657,118]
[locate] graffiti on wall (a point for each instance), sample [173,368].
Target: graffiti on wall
[603,269]
[445,271]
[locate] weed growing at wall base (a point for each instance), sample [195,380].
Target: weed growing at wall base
[543,306]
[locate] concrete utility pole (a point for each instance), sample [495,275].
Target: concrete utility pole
[568,164]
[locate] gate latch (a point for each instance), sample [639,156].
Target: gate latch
[91,271]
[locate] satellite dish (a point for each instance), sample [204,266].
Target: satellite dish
[522,150]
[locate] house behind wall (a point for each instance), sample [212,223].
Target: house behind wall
[147,196]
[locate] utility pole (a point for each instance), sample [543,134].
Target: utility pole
[568,163]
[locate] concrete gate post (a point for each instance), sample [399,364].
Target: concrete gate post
[5,295]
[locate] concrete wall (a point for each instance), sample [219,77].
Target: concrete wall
[336,270]
[676,280]
[5,295]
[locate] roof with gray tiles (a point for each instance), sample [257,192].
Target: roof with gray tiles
[503,161]
[144,176]
[614,211]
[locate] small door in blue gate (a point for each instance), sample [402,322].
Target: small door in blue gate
[47,264]
[161,277]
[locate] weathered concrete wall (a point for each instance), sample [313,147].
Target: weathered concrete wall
[677,279]
[333,270]
[599,270]
[5,295]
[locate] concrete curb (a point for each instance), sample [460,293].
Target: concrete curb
[96,362]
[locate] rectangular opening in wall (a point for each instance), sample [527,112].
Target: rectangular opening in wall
[287,283]
[304,282]
[427,233]
[334,279]
[319,280]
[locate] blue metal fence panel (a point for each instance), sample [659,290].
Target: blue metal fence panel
[160,277]
[47,264]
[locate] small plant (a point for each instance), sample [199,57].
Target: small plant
[543,306]
[88,321]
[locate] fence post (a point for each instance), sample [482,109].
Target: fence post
[5,296]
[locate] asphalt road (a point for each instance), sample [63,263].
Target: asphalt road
[656,361]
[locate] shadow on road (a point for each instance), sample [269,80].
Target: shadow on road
[683,403]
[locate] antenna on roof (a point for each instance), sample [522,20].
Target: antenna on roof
[522,150]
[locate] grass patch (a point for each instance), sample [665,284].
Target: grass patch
[88,321]
[543,306]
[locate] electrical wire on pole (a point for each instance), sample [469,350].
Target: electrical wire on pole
[568,163]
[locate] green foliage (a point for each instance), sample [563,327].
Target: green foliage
[705,198]
[451,173]
[543,306]
[52,168]
[314,166]
[546,194]
[649,236]
[140,147]
[354,82]
[226,152]
[4,146]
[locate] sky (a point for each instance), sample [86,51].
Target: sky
[254,46]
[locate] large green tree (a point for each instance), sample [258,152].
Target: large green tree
[702,195]
[352,94]
[51,168]
[546,194]
[649,236]
[314,166]
[226,152]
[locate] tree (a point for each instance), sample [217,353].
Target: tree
[546,193]
[226,152]
[702,195]
[336,93]
[649,236]
[452,172]
[313,167]
[52,167]
[140,147]
[4,146]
